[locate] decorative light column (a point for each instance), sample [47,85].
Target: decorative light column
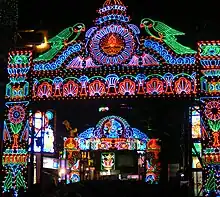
[16,126]
[208,57]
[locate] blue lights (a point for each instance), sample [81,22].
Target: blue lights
[18,71]
[167,56]
[60,60]
[112,17]
[113,127]
[211,73]
[210,62]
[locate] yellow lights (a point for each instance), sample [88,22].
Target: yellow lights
[34,44]
[43,46]
[27,31]
[62,172]
[45,39]
[29,45]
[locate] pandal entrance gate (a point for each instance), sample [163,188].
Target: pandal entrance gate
[114,60]
[110,135]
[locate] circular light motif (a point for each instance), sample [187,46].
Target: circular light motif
[16,114]
[71,143]
[112,45]
[212,110]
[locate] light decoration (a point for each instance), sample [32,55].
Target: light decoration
[211,144]
[71,147]
[166,34]
[103,109]
[50,163]
[43,126]
[81,62]
[16,115]
[19,63]
[18,66]
[108,10]
[15,137]
[65,37]
[196,152]
[111,133]
[114,85]
[113,127]
[196,122]
[153,66]
[152,162]
[108,161]
[47,66]
[112,45]
[16,127]
[158,47]
[197,161]
[209,52]
[115,42]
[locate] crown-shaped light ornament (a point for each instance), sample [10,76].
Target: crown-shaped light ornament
[108,161]
[112,10]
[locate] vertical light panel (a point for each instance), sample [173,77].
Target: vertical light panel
[211,144]
[43,124]
[196,123]
[73,156]
[16,127]
[195,118]
[152,162]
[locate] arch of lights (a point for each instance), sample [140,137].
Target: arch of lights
[114,59]
[110,134]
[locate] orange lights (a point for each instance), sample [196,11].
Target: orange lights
[112,44]
[153,145]
[216,142]
[17,159]
[212,159]
[71,144]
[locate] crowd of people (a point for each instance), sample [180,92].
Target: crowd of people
[100,189]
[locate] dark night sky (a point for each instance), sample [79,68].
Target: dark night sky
[197,19]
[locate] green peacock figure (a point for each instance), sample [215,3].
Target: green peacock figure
[60,40]
[163,32]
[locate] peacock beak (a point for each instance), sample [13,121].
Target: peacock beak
[141,25]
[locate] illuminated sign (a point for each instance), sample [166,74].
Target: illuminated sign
[43,124]
[50,163]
